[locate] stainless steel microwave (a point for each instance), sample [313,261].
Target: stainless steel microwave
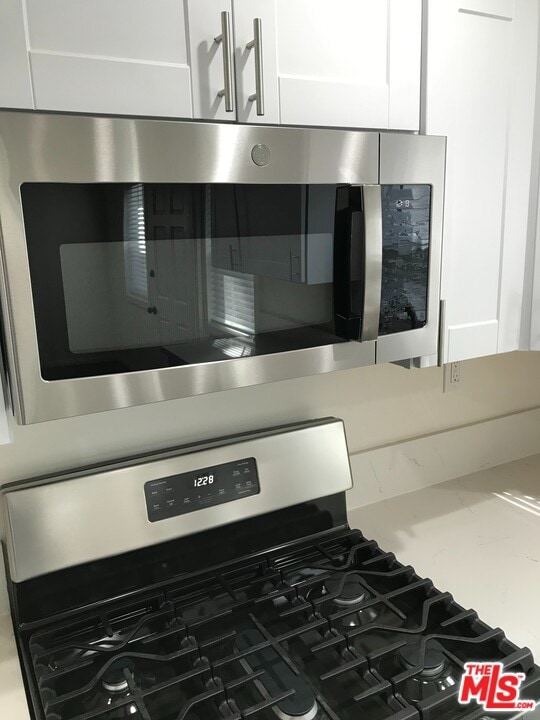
[147,260]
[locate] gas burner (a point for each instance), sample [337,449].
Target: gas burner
[118,691]
[435,673]
[340,592]
[433,661]
[114,680]
[348,586]
[289,711]
[114,688]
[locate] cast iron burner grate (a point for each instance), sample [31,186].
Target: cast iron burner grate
[333,630]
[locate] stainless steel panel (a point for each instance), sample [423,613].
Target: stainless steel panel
[417,159]
[373,261]
[39,147]
[62,523]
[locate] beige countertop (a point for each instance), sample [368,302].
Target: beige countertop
[12,696]
[477,537]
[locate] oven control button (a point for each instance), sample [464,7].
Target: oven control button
[260,154]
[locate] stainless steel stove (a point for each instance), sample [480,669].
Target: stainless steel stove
[222,581]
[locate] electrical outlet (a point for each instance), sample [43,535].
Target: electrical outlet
[452,376]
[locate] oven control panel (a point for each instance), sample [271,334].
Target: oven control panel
[199,489]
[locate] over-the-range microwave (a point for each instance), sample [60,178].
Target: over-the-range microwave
[147,260]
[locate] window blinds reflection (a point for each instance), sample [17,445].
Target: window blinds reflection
[135,243]
[232,300]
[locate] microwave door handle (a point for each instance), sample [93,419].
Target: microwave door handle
[347,255]
[373,241]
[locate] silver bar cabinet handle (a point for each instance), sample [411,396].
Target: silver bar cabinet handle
[228,64]
[256,43]
[372,261]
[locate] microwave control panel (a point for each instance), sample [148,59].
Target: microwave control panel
[199,489]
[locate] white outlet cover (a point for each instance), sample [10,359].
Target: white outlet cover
[450,385]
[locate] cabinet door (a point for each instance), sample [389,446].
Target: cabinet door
[480,94]
[15,86]
[126,57]
[349,63]
[514,258]
[209,58]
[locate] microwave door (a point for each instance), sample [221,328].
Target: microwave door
[358,262]
[412,188]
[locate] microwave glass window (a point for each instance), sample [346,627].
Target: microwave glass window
[405,257]
[129,277]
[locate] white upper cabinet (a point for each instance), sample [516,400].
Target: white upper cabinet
[349,63]
[110,56]
[15,85]
[346,63]
[343,63]
[481,74]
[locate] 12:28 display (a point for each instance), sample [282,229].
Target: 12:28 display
[204,480]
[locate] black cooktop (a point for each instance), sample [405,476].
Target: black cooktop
[330,629]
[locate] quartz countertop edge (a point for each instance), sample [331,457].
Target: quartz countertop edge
[477,537]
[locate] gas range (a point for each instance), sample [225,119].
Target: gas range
[285,613]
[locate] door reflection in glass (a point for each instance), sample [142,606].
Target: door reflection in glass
[143,276]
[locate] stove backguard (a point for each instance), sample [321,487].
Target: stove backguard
[65,521]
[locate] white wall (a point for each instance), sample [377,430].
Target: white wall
[379,405]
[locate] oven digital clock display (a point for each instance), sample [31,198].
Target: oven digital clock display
[191,491]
